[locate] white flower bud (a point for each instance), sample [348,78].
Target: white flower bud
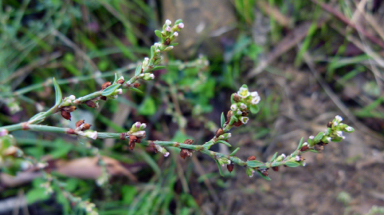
[143,126]
[3,132]
[168,29]
[119,91]
[175,34]
[137,124]
[338,118]
[180,25]
[243,106]
[297,158]
[349,128]
[311,137]
[329,139]
[71,97]
[168,22]
[233,107]
[91,134]
[255,100]
[339,133]
[169,48]
[166,154]
[239,112]
[283,156]
[254,94]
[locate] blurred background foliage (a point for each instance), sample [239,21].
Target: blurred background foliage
[306,62]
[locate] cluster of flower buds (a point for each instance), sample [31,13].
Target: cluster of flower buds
[136,133]
[67,101]
[242,102]
[186,152]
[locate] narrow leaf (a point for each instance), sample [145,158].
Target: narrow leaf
[136,90]
[263,176]
[292,164]
[234,151]
[157,68]
[224,142]
[218,166]
[138,70]
[114,81]
[300,144]
[109,90]
[319,137]
[222,119]
[58,95]
[273,157]
[255,163]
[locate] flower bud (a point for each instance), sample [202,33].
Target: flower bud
[3,132]
[169,48]
[79,123]
[349,129]
[168,22]
[244,120]
[180,25]
[175,34]
[90,104]
[143,126]
[219,132]
[225,136]
[85,126]
[236,97]
[185,153]
[91,134]
[230,167]
[66,115]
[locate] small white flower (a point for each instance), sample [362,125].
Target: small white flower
[175,34]
[244,119]
[338,118]
[229,161]
[255,100]
[243,92]
[304,144]
[339,133]
[143,126]
[329,139]
[25,165]
[311,137]
[152,76]
[115,97]
[168,22]
[304,164]
[166,154]
[181,25]
[121,78]
[168,29]
[243,106]
[3,132]
[228,135]
[239,112]
[41,165]
[297,158]
[349,128]
[71,97]
[343,137]
[119,91]
[157,45]
[283,155]
[137,124]
[233,107]
[254,94]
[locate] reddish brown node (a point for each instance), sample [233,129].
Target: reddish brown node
[120,81]
[132,141]
[219,132]
[188,141]
[70,131]
[167,41]
[103,98]
[136,85]
[86,126]
[275,168]
[251,158]
[105,85]
[122,136]
[304,148]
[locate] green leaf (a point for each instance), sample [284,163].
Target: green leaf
[157,68]
[234,151]
[263,176]
[36,194]
[158,34]
[148,107]
[222,119]
[219,166]
[300,144]
[319,137]
[255,163]
[114,81]
[174,44]
[136,90]
[255,109]
[39,117]
[58,95]
[273,157]
[61,151]
[292,164]
[128,193]
[138,70]
[224,142]
[178,21]
[109,90]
